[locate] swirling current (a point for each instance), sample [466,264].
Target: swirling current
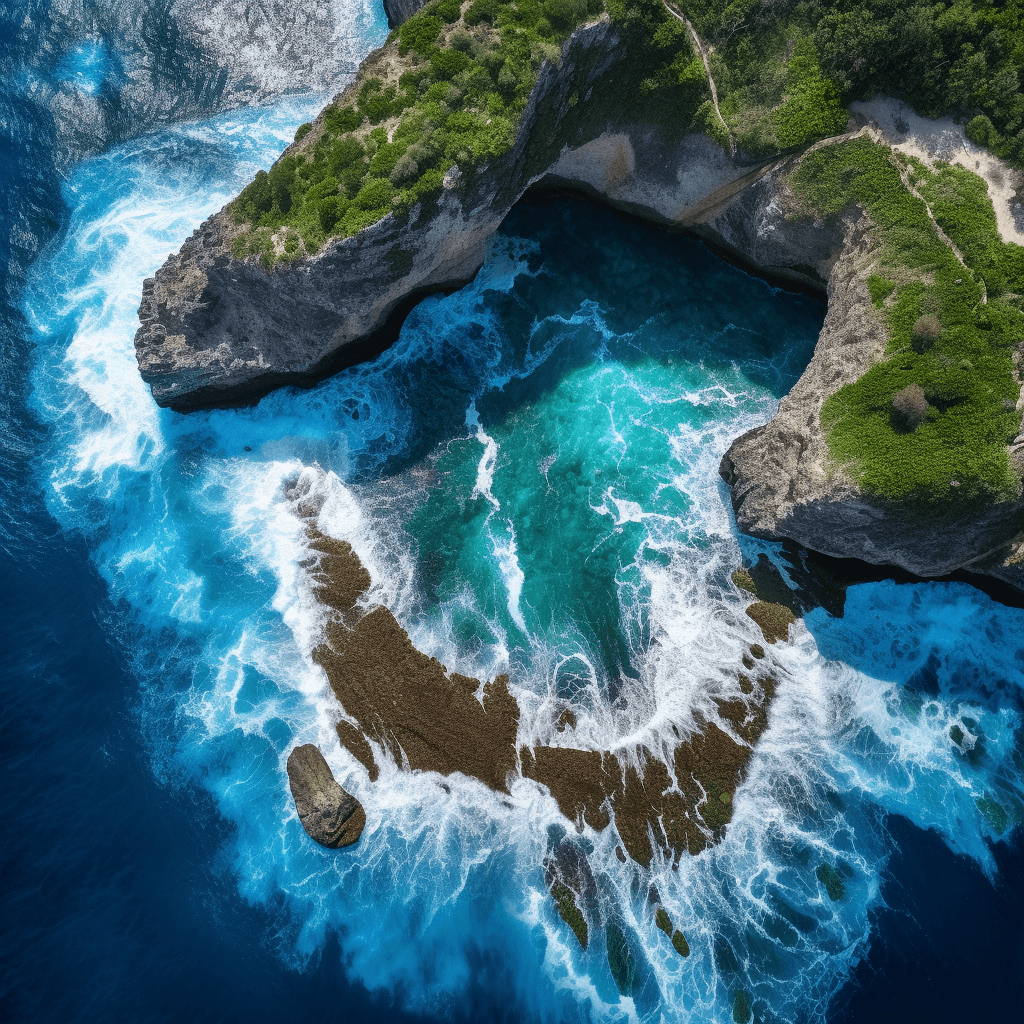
[530,475]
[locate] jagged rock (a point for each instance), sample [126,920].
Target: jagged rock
[328,814]
[216,330]
[784,486]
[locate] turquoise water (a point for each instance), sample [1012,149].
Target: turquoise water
[530,474]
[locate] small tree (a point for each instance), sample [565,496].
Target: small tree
[925,332]
[909,407]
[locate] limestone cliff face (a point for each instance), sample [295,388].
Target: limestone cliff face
[784,483]
[782,480]
[216,330]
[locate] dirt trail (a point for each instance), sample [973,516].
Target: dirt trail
[707,69]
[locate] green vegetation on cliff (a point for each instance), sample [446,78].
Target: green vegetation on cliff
[943,338]
[449,89]
[966,56]
[453,82]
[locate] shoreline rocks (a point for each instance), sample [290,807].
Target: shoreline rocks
[218,331]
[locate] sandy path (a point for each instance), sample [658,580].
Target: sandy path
[707,70]
[943,139]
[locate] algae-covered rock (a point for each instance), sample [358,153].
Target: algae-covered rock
[742,1012]
[774,620]
[832,881]
[328,814]
[570,913]
[572,885]
[621,960]
[664,922]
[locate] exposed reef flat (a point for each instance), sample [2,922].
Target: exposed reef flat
[424,716]
[427,718]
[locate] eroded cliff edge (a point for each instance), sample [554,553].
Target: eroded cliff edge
[219,330]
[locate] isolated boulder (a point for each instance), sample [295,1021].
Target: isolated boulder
[328,814]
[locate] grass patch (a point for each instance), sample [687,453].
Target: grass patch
[880,288]
[967,57]
[966,373]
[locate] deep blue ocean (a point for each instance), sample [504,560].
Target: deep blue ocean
[530,475]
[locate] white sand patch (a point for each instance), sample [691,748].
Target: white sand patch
[931,139]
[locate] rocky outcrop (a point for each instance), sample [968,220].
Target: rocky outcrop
[216,330]
[784,484]
[328,814]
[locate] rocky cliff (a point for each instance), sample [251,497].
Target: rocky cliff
[784,484]
[400,11]
[218,330]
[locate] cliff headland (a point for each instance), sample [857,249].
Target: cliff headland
[899,445]
[901,442]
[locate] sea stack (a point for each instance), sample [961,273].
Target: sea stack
[329,815]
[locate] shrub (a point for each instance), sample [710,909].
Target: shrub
[925,332]
[813,108]
[910,407]
[420,33]
[448,10]
[463,42]
[342,119]
[302,131]
[565,14]
[256,199]
[446,64]
[376,194]
[880,288]
[482,10]
[406,169]
[980,130]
